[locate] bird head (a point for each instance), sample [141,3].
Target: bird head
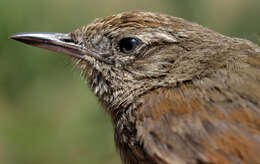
[126,55]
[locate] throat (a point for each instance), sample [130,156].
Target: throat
[112,91]
[100,86]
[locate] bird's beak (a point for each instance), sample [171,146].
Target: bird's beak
[61,43]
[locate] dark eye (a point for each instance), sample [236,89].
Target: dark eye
[128,45]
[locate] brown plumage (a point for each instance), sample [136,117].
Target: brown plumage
[176,92]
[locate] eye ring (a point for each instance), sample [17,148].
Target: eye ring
[128,45]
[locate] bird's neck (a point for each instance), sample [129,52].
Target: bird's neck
[117,95]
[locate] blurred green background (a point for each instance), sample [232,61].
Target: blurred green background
[47,113]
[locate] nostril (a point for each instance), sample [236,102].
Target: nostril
[68,40]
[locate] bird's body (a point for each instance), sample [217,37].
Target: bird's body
[176,92]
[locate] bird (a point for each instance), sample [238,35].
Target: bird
[177,92]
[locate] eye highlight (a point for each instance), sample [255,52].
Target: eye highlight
[128,45]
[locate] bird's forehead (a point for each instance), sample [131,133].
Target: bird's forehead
[135,22]
[135,19]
